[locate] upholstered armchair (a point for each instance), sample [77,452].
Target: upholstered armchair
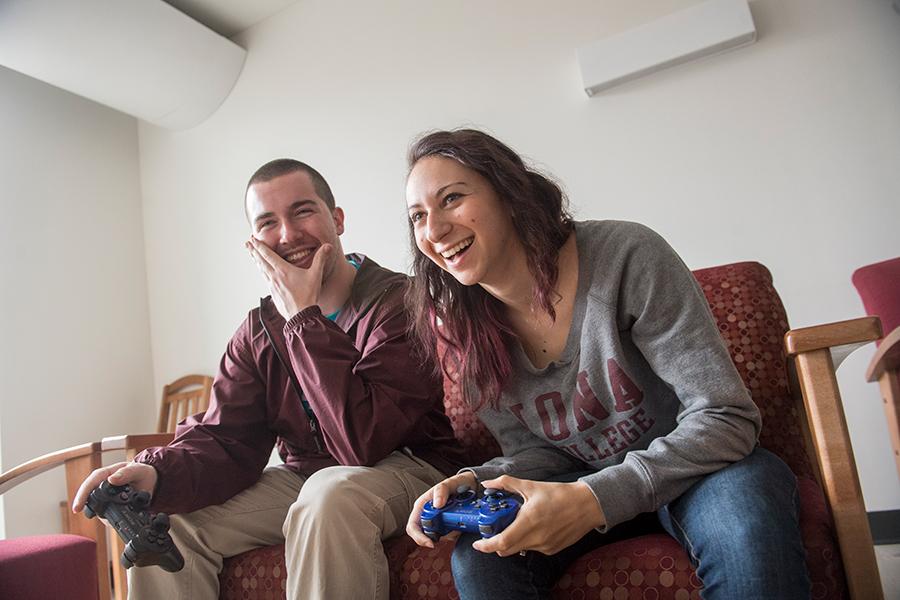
[56,566]
[803,422]
[790,375]
[878,285]
[181,398]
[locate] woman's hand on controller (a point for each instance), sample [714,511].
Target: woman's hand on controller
[439,494]
[554,516]
[138,475]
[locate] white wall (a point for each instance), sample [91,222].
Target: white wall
[75,359]
[784,152]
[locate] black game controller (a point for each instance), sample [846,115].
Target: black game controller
[146,536]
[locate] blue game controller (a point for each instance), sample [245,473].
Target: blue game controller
[464,511]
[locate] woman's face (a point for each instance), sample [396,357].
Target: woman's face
[459,221]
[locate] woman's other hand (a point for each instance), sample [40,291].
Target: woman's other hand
[554,516]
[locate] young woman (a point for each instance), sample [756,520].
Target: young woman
[588,350]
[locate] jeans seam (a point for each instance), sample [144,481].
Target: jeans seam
[690,547]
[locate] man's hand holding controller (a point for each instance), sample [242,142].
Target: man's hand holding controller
[139,476]
[120,495]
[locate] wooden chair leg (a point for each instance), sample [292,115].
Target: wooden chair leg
[838,467]
[889,382]
[120,580]
[64,511]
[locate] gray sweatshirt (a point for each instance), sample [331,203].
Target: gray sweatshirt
[645,393]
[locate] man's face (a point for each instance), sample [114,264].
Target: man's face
[288,216]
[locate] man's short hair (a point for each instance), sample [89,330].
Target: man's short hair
[283,166]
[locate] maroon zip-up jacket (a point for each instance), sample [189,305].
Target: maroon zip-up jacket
[367,394]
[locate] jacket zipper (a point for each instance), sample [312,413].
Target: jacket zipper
[310,415]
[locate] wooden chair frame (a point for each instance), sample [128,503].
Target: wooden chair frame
[884,369]
[814,352]
[182,398]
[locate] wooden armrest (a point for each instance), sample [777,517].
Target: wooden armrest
[816,351]
[39,465]
[887,358]
[840,338]
[136,442]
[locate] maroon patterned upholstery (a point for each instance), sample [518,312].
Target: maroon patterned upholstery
[752,321]
[256,575]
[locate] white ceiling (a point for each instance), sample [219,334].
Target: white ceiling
[229,17]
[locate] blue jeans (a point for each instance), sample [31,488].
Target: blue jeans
[739,526]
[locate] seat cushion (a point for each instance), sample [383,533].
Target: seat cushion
[260,574]
[255,575]
[647,566]
[48,566]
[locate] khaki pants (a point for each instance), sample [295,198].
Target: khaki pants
[332,525]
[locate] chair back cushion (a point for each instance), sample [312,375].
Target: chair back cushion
[477,442]
[879,288]
[752,322]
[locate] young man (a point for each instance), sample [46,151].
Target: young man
[323,368]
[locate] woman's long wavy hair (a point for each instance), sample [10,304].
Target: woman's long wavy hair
[469,322]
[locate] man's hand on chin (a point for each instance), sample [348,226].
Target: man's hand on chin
[292,288]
